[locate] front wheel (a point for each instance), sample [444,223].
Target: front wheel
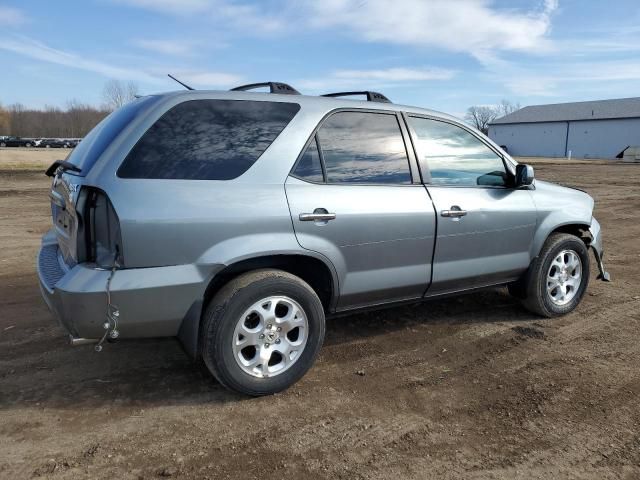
[262,332]
[557,279]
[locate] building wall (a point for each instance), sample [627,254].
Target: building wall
[531,139]
[603,138]
[585,139]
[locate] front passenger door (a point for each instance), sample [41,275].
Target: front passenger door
[485,226]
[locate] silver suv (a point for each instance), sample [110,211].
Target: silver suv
[237,221]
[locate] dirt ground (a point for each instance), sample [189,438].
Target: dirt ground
[470,387]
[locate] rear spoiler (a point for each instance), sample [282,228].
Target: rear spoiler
[51,171]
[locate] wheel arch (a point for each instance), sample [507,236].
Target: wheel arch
[578,228]
[315,271]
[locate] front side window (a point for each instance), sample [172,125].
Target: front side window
[364,147]
[453,156]
[207,140]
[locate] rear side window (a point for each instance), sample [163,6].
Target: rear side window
[207,140]
[364,147]
[91,147]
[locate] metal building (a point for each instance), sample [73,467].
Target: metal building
[598,129]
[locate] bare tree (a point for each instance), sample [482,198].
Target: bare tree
[480,117]
[506,107]
[51,122]
[5,125]
[117,93]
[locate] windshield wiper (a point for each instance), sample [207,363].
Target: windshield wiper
[51,171]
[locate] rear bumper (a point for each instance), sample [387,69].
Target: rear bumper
[152,301]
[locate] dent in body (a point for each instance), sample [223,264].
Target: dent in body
[558,206]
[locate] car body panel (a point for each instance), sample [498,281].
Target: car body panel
[490,244]
[558,206]
[178,234]
[381,241]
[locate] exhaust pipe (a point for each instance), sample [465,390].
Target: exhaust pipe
[75,341]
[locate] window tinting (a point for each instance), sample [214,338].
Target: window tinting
[362,147]
[207,140]
[91,147]
[453,156]
[309,167]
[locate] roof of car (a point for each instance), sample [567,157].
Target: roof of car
[321,102]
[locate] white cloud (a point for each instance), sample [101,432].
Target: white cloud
[181,7]
[11,17]
[395,74]
[558,77]
[377,78]
[39,51]
[165,47]
[462,25]
[225,13]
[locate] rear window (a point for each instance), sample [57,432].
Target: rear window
[207,140]
[98,139]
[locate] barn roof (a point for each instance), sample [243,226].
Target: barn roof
[562,112]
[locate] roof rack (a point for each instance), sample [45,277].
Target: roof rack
[371,96]
[274,87]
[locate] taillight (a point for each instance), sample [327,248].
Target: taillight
[100,230]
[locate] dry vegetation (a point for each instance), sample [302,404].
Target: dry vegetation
[470,387]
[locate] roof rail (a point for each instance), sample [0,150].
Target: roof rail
[274,87]
[371,96]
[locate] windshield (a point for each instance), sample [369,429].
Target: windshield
[98,139]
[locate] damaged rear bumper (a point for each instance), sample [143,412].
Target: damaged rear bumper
[152,301]
[598,250]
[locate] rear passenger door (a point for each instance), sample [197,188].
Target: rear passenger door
[356,198]
[485,225]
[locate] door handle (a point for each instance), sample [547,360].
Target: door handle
[455,212]
[316,217]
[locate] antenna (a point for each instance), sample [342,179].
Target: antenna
[181,83]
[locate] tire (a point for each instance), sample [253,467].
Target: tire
[28,145]
[225,320]
[555,269]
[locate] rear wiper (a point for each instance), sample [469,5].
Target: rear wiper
[51,171]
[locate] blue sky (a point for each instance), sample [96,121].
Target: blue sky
[441,54]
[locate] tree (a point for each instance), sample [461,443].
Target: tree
[5,124]
[117,93]
[480,117]
[506,107]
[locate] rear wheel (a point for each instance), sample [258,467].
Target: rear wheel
[557,279]
[2,144]
[262,332]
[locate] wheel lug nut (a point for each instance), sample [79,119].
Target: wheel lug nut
[279,329]
[262,335]
[269,326]
[266,345]
[278,340]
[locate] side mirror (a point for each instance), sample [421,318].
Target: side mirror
[524,175]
